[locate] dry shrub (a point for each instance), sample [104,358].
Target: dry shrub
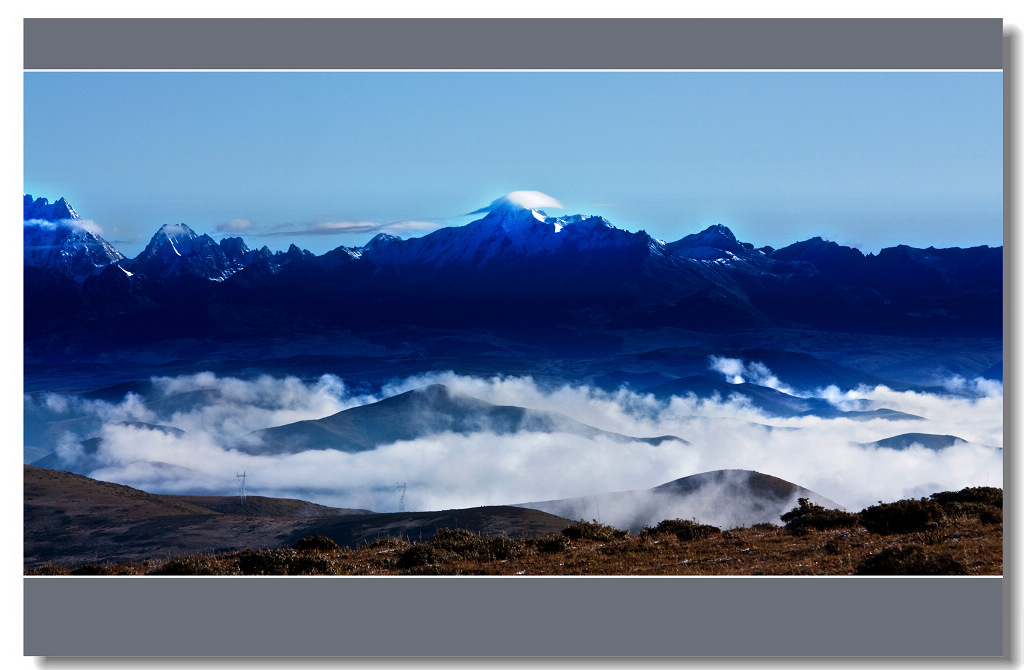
[450,545]
[502,548]
[683,529]
[196,564]
[266,561]
[984,512]
[457,541]
[986,495]
[287,562]
[387,543]
[420,555]
[808,516]
[910,560]
[49,569]
[984,503]
[95,569]
[592,530]
[552,544]
[317,543]
[903,516]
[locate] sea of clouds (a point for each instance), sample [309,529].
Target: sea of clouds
[215,415]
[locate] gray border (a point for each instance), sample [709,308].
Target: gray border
[1013,645]
[481,616]
[512,43]
[523,616]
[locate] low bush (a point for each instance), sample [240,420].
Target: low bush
[317,543]
[903,516]
[502,548]
[683,529]
[994,515]
[592,530]
[910,560]
[266,561]
[984,512]
[287,562]
[985,495]
[458,541]
[196,564]
[94,569]
[386,543]
[552,544]
[49,569]
[807,516]
[420,555]
[456,544]
[315,563]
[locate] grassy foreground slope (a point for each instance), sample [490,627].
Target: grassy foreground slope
[949,533]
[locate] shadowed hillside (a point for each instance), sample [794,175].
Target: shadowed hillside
[414,414]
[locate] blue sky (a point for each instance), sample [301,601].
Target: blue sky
[324,159]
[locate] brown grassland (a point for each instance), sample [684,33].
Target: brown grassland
[948,534]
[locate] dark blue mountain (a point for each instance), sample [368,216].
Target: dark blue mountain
[430,410]
[576,284]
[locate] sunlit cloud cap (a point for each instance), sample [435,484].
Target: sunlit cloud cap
[525,199]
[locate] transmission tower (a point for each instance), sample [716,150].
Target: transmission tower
[241,488]
[401,498]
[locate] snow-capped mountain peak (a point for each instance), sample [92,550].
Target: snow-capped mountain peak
[178,236]
[40,209]
[176,249]
[55,237]
[381,239]
[518,213]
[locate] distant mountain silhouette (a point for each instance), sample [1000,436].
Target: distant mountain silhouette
[515,271]
[420,413]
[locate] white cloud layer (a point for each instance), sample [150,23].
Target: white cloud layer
[218,414]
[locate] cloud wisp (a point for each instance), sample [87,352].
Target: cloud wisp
[332,228]
[84,225]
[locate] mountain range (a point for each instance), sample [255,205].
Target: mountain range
[515,270]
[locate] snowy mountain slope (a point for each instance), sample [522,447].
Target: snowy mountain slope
[57,240]
[40,209]
[177,250]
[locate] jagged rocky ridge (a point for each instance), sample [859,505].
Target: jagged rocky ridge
[513,269]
